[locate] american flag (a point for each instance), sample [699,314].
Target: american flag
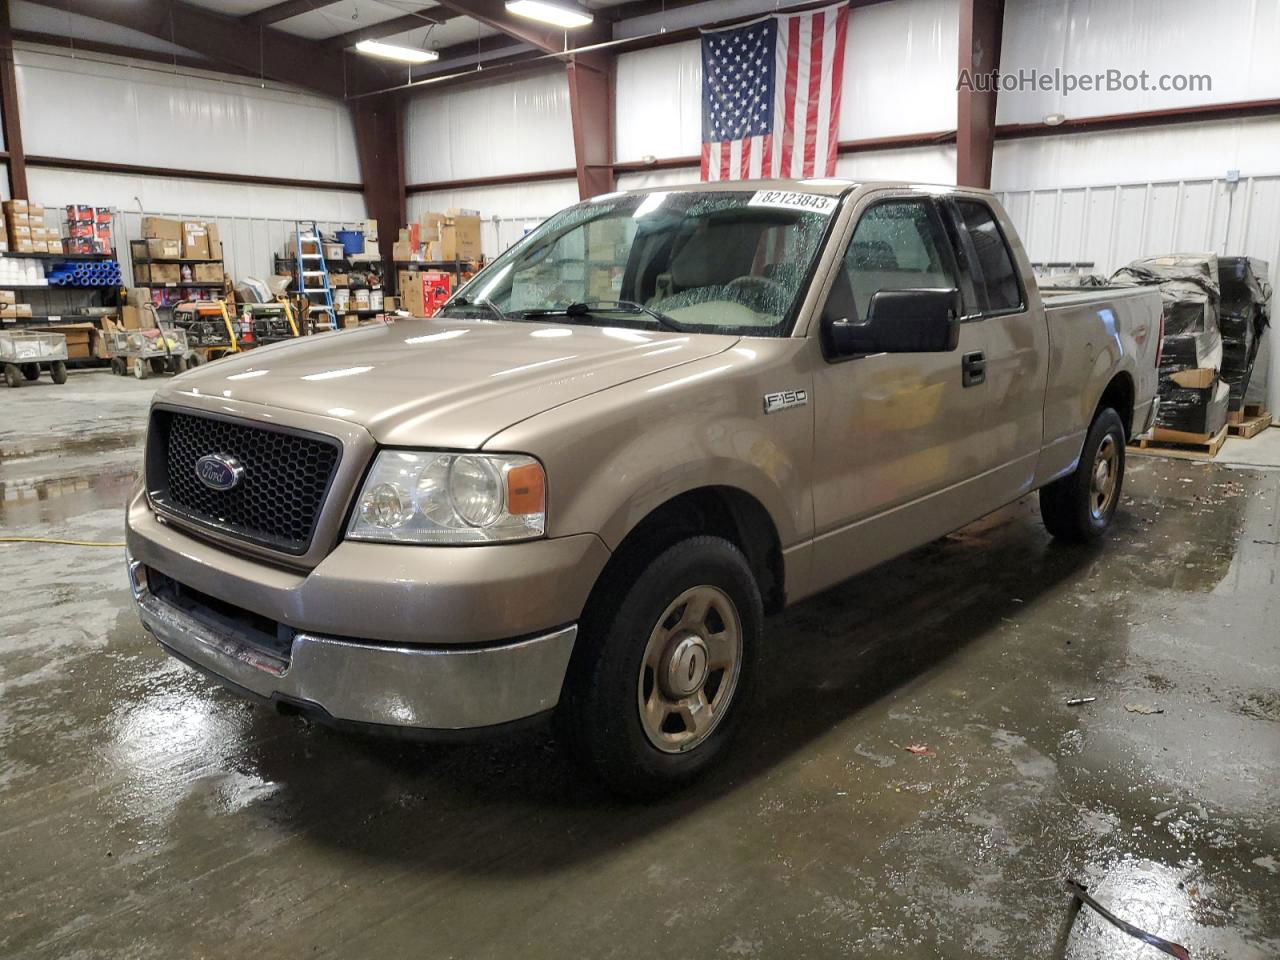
[771,96]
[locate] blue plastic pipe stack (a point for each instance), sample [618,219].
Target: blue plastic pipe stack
[83,273]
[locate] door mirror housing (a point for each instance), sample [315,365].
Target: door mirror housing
[901,321]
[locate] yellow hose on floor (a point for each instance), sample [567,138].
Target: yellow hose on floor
[69,543]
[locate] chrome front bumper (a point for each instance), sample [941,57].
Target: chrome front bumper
[435,688]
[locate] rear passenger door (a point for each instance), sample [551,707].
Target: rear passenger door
[1017,345]
[897,434]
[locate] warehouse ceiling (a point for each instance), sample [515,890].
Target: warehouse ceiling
[272,38]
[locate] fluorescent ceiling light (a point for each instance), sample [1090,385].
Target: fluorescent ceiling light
[390,51]
[559,14]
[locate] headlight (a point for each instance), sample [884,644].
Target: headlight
[424,496]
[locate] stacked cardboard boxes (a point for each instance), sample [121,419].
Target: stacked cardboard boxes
[1193,397]
[424,292]
[440,238]
[17,224]
[191,239]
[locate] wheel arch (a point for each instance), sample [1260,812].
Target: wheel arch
[716,510]
[1119,394]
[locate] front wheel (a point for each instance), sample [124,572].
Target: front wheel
[664,671]
[31,371]
[58,371]
[1079,507]
[13,375]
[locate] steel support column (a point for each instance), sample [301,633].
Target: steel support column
[981,27]
[591,106]
[379,123]
[9,109]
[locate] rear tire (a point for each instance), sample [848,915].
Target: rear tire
[141,369]
[1079,507]
[664,668]
[12,375]
[31,371]
[119,367]
[58,371]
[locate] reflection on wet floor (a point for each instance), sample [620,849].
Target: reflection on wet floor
[57,499]
[145,811]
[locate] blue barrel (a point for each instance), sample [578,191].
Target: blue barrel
[352,241]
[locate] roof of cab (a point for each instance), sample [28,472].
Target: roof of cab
[827,186]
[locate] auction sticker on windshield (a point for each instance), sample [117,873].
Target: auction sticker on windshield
[789,200]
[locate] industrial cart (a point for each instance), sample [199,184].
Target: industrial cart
[23,354]
[144,352]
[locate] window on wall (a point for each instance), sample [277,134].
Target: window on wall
[999,287]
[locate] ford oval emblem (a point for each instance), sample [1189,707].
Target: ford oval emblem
[219,471]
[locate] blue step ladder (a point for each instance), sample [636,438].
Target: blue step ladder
[312,271]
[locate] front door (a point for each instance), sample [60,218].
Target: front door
[898,435]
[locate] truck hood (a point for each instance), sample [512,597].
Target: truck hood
[442,382]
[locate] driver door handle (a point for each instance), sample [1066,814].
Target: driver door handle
[973,369]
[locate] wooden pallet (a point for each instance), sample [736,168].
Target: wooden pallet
[1249,426]
[1179,444]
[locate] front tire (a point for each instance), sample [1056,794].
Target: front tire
[13,375]
[31,371]
[1079,507]
[58,371]
[665,667]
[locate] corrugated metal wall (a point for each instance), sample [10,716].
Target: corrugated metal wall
[1110,225]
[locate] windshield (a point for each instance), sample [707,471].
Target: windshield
[705,261]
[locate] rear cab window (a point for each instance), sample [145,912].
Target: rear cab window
[996,283]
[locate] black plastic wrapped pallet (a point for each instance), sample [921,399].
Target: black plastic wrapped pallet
[1202,411]
[1188,290]
[1182,351]
[1243,283]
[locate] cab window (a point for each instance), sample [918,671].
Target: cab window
[897,245]
[998,286]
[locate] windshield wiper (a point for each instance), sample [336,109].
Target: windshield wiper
[481,302]
[584,307]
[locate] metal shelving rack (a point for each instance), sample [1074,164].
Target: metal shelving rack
[53,304]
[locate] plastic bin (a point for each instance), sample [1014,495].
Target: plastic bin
[352,241]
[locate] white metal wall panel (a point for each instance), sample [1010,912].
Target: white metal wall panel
[659,102]
[900,69]
[918,164]
[1177,152]
[95,109]
[520,126]
[506,213]
[1233,41]
[1128,221]
[899,78]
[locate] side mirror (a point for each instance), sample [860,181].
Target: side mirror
[902,321]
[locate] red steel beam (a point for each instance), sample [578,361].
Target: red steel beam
[379,123]
[981,28]
[9,109]
[591,107]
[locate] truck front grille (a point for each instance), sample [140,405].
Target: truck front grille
[277,501]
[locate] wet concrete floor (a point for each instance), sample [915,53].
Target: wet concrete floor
[145,812]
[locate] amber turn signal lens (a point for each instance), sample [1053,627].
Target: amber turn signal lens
[526,489]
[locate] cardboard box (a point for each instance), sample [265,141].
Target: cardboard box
[20,231]
[39,246]
[7,297]
[215,241]
[24,309]
[423,292]
[162,248]
[160,228]
[161,273]
[207,273]
[370,230]
[195,240]
[22,245]
[430,225]
[14,206]
[401,252]
[460,238]
[35,210]
[80,339]
[78,211]
[55,246]
[339,280]
[1194,378]
[350,320]
[135,317]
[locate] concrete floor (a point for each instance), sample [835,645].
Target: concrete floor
[144,812]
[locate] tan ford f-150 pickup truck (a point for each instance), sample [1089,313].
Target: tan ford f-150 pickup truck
[580,488]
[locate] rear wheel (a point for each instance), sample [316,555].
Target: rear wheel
[31,371]
[159,365]
[141,369]
[119,367]
[661,680]
[12,375]
[1079,507]
[58,371]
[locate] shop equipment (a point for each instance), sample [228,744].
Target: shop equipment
[209,328]
[24,353]
[263,323]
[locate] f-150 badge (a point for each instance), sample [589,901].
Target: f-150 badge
[785,400]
